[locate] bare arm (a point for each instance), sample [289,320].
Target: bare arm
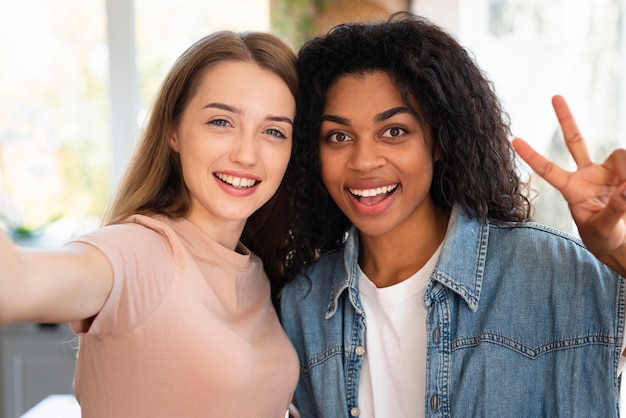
[61,285]
[595,193]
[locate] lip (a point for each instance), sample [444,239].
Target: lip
[372,198]
[237,184]
[373,191]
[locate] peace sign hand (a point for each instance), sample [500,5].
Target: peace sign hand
[595,193]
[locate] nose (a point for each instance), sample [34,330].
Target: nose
[366,156]
[245,149]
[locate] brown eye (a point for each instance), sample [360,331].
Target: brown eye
[394,132]
[337,137]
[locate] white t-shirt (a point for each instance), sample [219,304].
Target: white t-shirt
[394,384]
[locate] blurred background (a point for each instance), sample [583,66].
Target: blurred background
[78,77]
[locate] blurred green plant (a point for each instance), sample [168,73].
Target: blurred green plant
[25,232]
[293,19]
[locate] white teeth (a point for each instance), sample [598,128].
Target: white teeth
[238,182]
[373,192]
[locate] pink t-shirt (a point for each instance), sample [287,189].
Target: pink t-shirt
[188,329]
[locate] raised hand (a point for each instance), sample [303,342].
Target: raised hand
[595,193]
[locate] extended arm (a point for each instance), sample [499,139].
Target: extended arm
[595,193]
[61,285]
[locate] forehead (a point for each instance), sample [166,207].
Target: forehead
[356,90]
[235,72]
[243,82]
[366,96]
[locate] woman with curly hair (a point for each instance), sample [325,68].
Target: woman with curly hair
[416,282]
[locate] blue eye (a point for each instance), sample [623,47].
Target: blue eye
[219,122]
[276,133]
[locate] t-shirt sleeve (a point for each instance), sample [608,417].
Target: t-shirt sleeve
[143,270]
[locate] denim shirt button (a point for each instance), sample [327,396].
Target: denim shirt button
[434,402]
[355,412]
[360,350]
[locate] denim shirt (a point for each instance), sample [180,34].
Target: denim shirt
[523,321]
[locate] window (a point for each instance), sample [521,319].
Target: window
[533,49]
[76,88]
[165,29]
[54,117]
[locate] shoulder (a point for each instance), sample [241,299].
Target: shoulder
[137,237]
[536,237]
[144,266]
[124,234]
[321,273]
[314,285]
[547,251]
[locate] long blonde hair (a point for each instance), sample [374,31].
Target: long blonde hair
[153,182]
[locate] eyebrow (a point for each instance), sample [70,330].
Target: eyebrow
[382,116]
[391,112]
[337,119]
[239,111]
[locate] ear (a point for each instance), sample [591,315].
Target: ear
[172,138]
[436,155]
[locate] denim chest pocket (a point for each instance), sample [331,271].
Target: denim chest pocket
[322,358]
[531,329]
[531,349]
[491,374]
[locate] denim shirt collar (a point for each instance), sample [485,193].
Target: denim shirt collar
[460,266]
[350,280]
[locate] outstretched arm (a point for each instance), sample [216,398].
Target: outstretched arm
[595,193]
[70,283]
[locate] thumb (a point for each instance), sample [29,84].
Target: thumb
[607,230]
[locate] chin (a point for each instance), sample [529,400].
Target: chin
[373,229]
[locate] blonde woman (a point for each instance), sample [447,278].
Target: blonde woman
[172,307]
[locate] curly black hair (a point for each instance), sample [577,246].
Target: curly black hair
[470,129]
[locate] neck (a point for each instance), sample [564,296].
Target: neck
[394,257]
[225,233]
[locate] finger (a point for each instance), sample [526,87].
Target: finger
[616,164]
[616,208]
[606,221]
[549,171]
[573,138]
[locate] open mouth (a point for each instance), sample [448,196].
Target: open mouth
[373,196]
[236,182]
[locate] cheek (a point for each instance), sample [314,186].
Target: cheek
[418,173]
[419,157]
[276,158]
[191,162]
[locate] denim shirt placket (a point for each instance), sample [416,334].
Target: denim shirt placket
[355,340]
[438,300]
[438,350]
